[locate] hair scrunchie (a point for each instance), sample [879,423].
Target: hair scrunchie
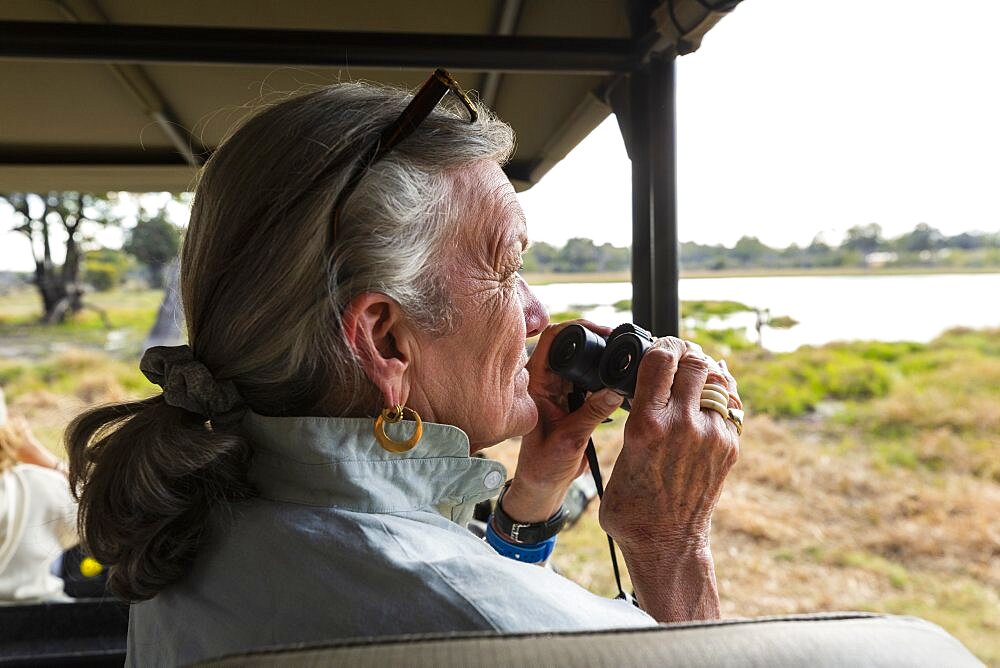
[188,384]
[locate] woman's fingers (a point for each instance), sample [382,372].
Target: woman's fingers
[689,381]
[656,375]
[577,427]
[734,395]
[550,458]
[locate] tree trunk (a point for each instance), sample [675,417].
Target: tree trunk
[155,275]
[59,288]
[71,267]
[168,328]
[51,289]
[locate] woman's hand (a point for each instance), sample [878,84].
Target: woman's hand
[552,454]
[29,449]
[667,480]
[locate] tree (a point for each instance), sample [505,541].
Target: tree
[540,256]
[965,241]
[864,238]
[578,255]
[38,217]
[922,238]
[751,251]
[613,258]
[154,241]
[103,269]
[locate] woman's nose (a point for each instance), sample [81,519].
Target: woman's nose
[536,318]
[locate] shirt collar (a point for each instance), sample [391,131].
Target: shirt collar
[336,462]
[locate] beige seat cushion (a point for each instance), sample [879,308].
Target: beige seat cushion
[829,639]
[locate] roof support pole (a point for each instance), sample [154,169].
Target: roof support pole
[647,120]
[663,195]
[639,139]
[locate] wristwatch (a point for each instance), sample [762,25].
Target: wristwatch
[521,533]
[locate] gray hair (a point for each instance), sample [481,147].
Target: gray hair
[263,291]
[263,212]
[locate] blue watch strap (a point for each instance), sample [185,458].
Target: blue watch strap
[529,554]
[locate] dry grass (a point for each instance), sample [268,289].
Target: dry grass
[889,500]
[50,393]
[802,528]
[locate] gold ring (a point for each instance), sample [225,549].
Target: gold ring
[394,415]
[715,396]
[722,395]
[713,405]
[717,388]
[736,417]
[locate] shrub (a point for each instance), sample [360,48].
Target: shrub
[103,276]
[791,384]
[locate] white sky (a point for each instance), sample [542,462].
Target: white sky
[798,117]
[804,116]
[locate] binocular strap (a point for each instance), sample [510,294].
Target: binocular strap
[576,399]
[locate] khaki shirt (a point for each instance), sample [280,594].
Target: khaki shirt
[348,540]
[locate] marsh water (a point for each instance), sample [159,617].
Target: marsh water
[828,308]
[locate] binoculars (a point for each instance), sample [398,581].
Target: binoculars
[593,362]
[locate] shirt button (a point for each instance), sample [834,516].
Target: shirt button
[493,479]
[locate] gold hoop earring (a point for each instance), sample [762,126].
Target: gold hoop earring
[394,415]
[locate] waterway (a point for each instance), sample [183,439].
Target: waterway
[828,308]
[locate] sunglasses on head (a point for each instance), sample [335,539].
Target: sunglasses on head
[416,112]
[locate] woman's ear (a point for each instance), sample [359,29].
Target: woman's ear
[374,327]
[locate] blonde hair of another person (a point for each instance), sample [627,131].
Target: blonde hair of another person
[264,286]
[8,447]
[8,440]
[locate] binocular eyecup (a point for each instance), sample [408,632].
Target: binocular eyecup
[593,362]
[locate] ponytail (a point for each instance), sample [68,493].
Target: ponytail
[147,476]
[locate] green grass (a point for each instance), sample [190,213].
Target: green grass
[69,372]
[563,316]
[897,576]
[698,309]
[131,315]
[704,309]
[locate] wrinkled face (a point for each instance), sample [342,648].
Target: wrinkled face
[474,377]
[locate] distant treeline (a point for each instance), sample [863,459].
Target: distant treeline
[578,255]
[863,246]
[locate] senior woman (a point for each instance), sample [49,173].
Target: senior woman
[352,258]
